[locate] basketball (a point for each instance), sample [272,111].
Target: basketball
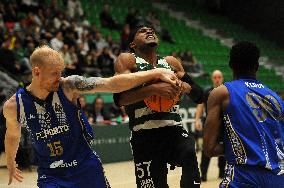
[160,104]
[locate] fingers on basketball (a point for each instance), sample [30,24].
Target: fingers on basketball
[160,104]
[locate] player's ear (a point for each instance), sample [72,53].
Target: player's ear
[132,45]
[36,71]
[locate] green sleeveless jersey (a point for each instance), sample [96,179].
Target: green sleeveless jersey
[142,117]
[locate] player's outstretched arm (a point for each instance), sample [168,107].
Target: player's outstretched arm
[125,64]
[12,139]
[217,102]
[116,84]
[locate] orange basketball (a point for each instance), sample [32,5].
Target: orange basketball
[159,103]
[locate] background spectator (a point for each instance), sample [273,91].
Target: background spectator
[107,20]
[83,105]
[57,41]
[106,61]
[124,37]
[98,115]
[74,8]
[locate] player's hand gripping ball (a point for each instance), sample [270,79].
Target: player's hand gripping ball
[159,103]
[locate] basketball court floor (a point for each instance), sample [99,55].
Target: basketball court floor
[120,175]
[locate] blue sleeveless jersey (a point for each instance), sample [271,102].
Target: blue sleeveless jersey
[254,126]
[59,131]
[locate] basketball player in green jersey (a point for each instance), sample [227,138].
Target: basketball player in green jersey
[158,138]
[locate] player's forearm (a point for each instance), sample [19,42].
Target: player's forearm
[133,96]
[125,82]
[115,84]
[196,91]
[199,111]
[11,147]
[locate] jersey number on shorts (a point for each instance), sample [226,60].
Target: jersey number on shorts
[264,107]
[140,168]
[55,149]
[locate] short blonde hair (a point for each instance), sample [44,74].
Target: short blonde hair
[43,54]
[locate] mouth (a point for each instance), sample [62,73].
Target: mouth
[151,37]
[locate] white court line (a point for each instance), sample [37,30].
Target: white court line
[17,186]
[134,181]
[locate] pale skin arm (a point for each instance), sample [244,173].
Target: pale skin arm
[126,64]
[12,139]
[217,102]
[80,85]
[136,95]
[198,114]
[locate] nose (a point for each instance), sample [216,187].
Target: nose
[149,31]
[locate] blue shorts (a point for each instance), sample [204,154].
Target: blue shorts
[89,174]
[242,176]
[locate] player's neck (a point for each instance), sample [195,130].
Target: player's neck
[35,89]
[248,76]
[149,56]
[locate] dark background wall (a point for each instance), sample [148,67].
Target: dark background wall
[263,16]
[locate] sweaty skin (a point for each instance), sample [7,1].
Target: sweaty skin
[217,103]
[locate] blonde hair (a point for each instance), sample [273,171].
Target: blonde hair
[43,54]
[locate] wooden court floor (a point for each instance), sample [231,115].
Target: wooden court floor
[120,175]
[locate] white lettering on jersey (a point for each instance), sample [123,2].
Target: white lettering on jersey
[61,164]
[254,85]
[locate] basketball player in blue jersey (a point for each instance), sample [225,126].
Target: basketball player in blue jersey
[253,126]
[157,138]
[59,130]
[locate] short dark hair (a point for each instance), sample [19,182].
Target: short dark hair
[244,58]
[131,38]
[133,33]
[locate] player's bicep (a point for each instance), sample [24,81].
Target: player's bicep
[13,129]
[213,120]
[213,111]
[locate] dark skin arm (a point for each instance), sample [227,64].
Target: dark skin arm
[126,63]
[176,65]
[217,102]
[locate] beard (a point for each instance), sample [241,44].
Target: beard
[148,46]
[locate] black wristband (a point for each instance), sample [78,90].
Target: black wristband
[116,99]
[196,93]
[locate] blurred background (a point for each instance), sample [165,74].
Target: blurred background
[90,34]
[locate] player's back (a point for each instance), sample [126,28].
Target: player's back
[254,126]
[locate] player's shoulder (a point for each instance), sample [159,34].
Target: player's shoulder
[126,57]
[125,62]
[220,91]
[219,95]
[171,60]
[10,107]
